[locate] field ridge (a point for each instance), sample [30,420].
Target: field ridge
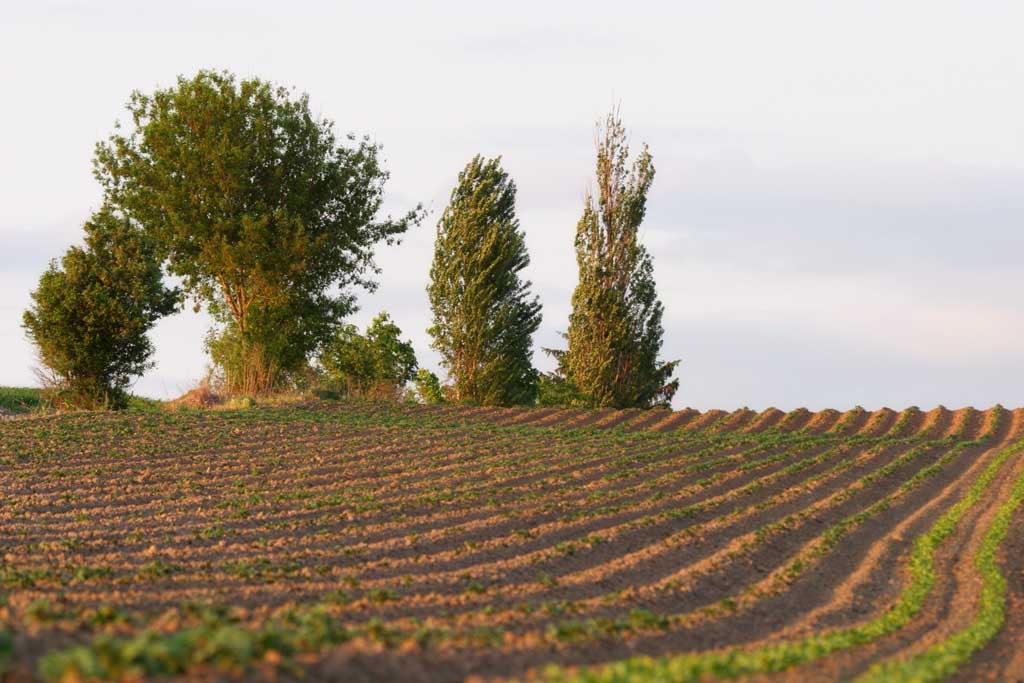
[453,543]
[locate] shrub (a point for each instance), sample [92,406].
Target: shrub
[92,312]
[554,391]
[372,365]
[428,387]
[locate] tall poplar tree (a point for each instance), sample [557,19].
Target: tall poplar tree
[484,314]
[615,330]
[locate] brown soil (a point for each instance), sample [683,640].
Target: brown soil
[880,422]
[949,607]
[469,518]
[706,420]
[1002,660]
[769,418]
[677,420]
[200,397]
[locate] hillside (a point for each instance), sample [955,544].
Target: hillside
[395,542]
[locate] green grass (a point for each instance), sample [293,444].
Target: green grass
[141,404]
[19,399]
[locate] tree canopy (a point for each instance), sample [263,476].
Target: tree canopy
[254,202]
[615,329]
[377,364]
[91,313]
[484,313]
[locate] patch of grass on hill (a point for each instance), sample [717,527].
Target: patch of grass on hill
[19,399]
[141,404]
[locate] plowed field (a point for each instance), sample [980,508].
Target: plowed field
[380,542]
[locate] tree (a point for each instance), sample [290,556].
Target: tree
[615,330]
[92,312]
[428,387]
[268,220]
[377,364]
[484,315]
[554,391]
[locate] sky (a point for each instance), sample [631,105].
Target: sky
[837,217]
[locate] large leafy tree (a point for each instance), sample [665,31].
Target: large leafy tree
[615,329]
[377,364]
[484,313]
[266,216]
[91,313]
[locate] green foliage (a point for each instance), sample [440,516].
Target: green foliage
[428,387]
[6,648]
[553,390]
[217,643]
[376,364]
[255,204]
[92,312]
[19,399]
[141,404]
[484,314]
[942,659]
[615,331]
[241,403]
[931,665]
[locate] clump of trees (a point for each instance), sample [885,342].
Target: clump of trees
[91,313]
[270,220]
[377,364]
[267,217]
[615,330]
[484,313]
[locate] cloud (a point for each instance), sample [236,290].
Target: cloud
[544,44]
[735,363]
[847,217]
[885,315]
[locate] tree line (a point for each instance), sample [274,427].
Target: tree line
[269,220]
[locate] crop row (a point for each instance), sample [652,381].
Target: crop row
[937,662]
[238,540]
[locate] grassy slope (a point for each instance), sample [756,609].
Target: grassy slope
[19,399]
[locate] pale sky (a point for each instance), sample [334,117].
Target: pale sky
[837,216]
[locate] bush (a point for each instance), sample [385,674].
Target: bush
[92,312]
[242,403]
[372,365]
[554,391]
[428,387]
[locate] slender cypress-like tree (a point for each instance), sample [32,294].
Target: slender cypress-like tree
[484,313]
[615,331]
